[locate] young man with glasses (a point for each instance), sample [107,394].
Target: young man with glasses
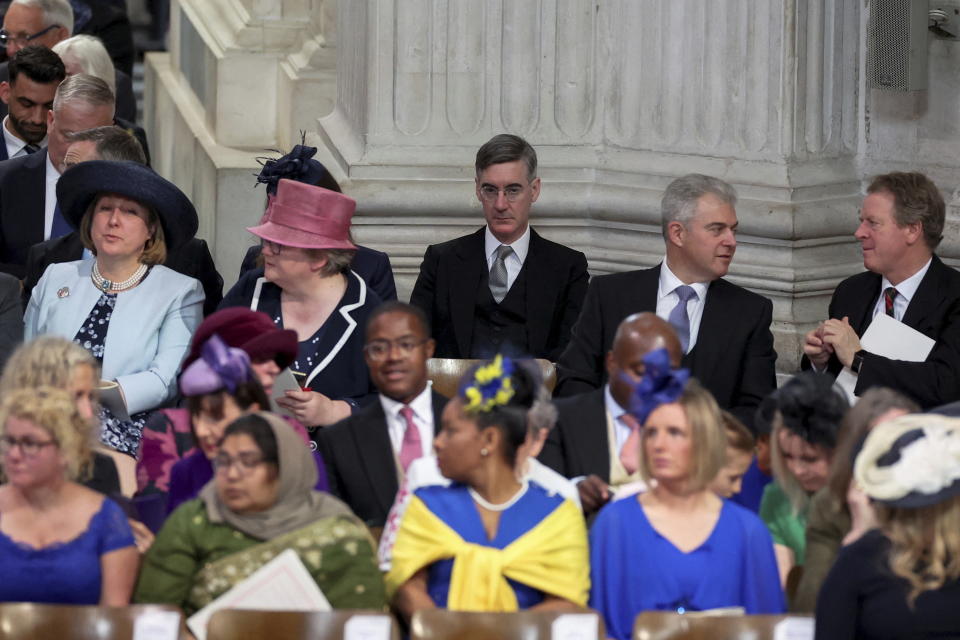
[367,453]
[504,288]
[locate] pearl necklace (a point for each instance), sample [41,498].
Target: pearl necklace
[503,506]
[108,286]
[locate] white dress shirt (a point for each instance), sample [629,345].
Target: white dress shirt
[50,199]
[667,299]
[423,417]
[905,292]
[516,259]
[15,146]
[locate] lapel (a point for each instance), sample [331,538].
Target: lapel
[4,155]
[863,301]
[341,324]
[718,319]
[372,440]
[467,270]
[32,195]
[927,298]
[542,294]
[439,402]
[587,434]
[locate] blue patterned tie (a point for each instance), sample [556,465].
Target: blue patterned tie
[678,315]
[59,228]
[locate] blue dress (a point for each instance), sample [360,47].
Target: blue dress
[456,508]
[63,573]
[751,489]
[633,568]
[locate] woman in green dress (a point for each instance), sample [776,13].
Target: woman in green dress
[260,502]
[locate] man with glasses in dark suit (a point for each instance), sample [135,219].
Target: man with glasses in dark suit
[504,288]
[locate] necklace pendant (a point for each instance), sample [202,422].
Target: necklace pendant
[106,286]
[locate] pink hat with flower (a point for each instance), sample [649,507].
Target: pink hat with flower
[302,215]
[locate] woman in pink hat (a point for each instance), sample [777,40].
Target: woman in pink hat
[308,287]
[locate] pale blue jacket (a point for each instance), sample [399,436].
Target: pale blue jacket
[149,333]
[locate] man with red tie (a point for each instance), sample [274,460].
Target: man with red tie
[367,454]
[901,224]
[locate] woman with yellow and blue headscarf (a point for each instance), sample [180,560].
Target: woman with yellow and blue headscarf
[490,541]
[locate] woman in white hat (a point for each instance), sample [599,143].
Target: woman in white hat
[902,580]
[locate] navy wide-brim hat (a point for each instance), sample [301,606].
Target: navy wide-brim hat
[80,184]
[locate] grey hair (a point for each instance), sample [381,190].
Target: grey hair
[112,143]
[679,202]
[92,57]
[542,413]
[84,88]
[54,11]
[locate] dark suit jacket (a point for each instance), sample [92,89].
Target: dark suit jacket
[192,259]
[11,316]
[22,196]
[733,356]
[371,265]
[360,461]
[451,272]
[578,445]
[934,311]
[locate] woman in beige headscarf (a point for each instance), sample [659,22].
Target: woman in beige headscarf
[260,502]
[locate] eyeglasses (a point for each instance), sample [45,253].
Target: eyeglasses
[28,446]
[246,462]
[490,193]
[275,249]
[380,349]
[21,41]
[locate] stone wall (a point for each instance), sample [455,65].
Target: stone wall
[618,96]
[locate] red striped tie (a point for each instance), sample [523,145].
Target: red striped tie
[888,295]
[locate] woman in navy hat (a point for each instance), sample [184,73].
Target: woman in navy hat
[307,286]
[901,580]
[133,314]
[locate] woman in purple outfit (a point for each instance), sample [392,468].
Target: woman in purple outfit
[220,386]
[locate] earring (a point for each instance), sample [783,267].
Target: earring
[484,452]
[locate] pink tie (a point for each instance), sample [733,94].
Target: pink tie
[630,452]
[411,449]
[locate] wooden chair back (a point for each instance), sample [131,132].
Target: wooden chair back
[29,621]
[667,625]
[446,373]
[441,624]
[244,624]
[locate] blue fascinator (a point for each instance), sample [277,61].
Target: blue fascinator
[661,384]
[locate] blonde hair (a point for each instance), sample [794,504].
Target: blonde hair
[709,441]
[55,411]
[155,248]
[925,544]
[739,437]
[47,361]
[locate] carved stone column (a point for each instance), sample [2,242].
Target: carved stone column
[619,97]
[242,76]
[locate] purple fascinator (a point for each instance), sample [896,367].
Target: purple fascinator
[661,384]
[297,165]
[218,367]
